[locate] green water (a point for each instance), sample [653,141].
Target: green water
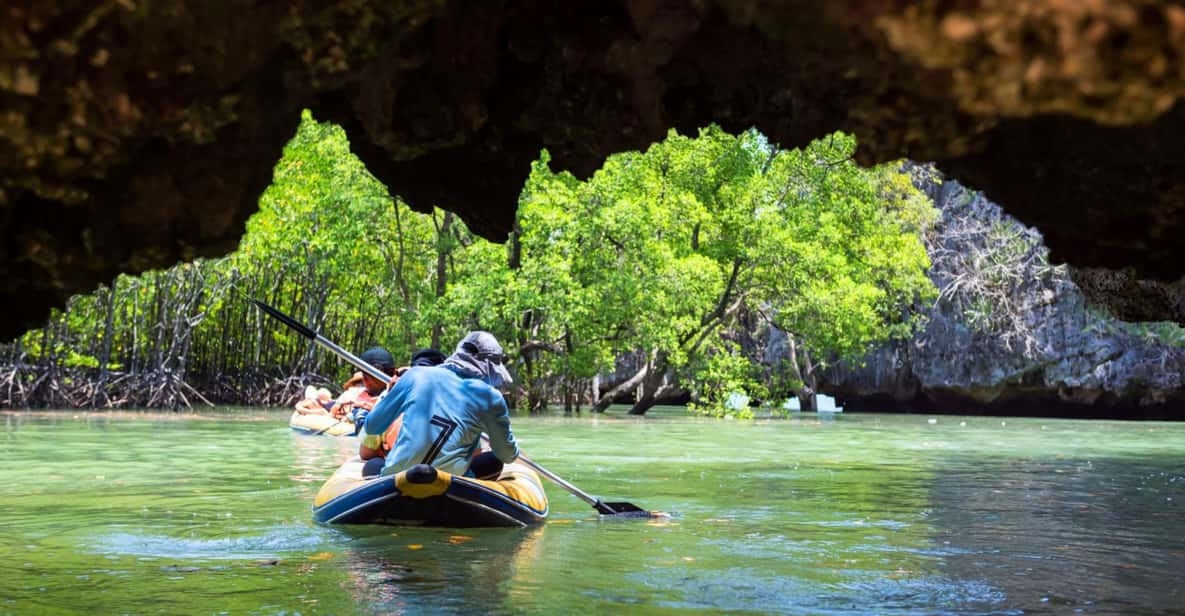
[860,514]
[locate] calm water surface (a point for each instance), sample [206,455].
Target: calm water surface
[860,514]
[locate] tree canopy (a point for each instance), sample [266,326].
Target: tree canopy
[665,256]
[660,252]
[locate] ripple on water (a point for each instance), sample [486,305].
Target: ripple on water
[272,543]
[757,590]
[909,594]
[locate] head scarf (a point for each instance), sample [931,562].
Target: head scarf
[479,356]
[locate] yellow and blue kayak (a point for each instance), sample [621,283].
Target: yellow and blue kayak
[320,424]
[423,495]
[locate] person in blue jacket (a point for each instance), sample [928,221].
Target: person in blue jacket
[445,409]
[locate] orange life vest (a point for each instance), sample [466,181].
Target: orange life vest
[390,435]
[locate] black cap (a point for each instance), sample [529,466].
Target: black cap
[379,358]
[427,357]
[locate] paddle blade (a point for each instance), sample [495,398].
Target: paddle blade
[287,320]
[624,510]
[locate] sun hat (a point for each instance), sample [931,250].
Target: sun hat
[480,356]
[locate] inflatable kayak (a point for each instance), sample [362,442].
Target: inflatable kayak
[320,424]
[425,495]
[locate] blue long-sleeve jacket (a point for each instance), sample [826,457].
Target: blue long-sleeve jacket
[443,418]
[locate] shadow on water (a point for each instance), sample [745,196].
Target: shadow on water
[1065,534]
[804,539]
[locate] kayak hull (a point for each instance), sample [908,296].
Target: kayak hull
[320,424]
[516,498]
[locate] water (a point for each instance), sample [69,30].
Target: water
[854,514]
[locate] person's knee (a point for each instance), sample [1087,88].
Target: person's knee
[373,467]
[486,466]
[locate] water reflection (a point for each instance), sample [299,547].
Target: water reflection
[402,570]
[316,457]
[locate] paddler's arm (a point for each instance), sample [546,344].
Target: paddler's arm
[341,406]
[310,407]
[497,424]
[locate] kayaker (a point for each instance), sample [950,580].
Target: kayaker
[363,398]
[445,409]
[317,401]
[422,357]
[354,381]
[425,357]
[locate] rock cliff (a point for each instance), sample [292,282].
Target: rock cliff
[1012,332]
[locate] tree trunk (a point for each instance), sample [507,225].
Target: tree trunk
[652,385]
[105,350]
[569,395]
[536,394]
[807,400]
[804,371]
[644,402]
[134,364]
[621,390]
[443,247]
[397,268]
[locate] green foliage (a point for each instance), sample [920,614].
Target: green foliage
[328,246]
[344,250]
[1157,333]
[851,258]
[77,360]
[659,252]
[726,384]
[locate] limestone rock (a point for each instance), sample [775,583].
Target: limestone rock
[1012,331]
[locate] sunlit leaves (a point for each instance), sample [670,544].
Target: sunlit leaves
[663,251]
[660,250]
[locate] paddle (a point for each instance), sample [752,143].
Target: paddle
[326,428]
[621,509]
[628,510]
[602,507]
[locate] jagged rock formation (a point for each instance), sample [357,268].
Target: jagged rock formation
[134,133]
[1011,331]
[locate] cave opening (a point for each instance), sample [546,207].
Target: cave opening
[707,269]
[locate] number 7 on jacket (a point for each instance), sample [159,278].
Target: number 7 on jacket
[447,427]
